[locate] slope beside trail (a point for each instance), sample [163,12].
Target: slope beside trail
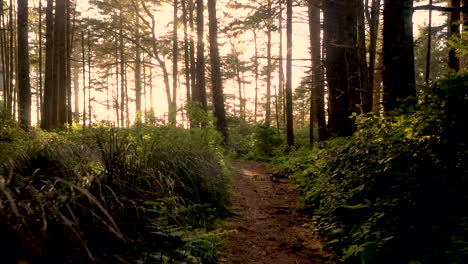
[270,229]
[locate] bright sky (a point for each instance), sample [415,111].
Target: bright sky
[300,50]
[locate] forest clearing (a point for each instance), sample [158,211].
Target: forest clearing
[233,131]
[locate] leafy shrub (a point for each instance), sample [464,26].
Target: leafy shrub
[395,191]
[111,195]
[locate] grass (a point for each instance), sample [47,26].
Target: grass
[145,194]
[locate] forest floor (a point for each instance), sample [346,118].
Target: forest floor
[270,227]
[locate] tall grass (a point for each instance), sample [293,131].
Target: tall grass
[110,195]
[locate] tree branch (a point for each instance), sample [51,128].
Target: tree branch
[441,8]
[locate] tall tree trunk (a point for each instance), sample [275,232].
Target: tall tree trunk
[83,63]
[68,53]
[193,63]
[137,71]
[186,53]
[216,80]
[122,69]
[398,53]
[90,99]
[200,84]
[453,30]
[175,57]
[366,90]
[60,39]
[337,80]
[429,46]
[281,96]
[350,43]
[256,75]
[269,66]
[76,88]
[24,86]
[39,85]
[378,90]
[48,119]
[117,75]
[374,22]
[317,113]
[289,102]
[12,62]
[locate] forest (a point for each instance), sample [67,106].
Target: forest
[234,131]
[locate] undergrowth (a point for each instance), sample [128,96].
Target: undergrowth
[107,195]
[395,191]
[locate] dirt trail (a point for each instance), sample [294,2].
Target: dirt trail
[270,229]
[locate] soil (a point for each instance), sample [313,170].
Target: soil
[269,225]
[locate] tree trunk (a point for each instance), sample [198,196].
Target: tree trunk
[374,22]
[289,102]
[24,87]
[200,84]
[337,80]
[69,47]
[137,68]
[269,66]
[398,54]
[40,63]
[280,97]
[60,39]
[90,82]
[193,63]
[378,84]
[83,64]
[186,52]
[429,46]
[175,57]
[256,76]
[76,88]
[350,43]
[453,30]
[317,109]
[366,90]
[48,119]
[217,85]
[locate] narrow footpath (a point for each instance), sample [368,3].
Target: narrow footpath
[270,229]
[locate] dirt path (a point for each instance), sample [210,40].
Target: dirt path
[269,227]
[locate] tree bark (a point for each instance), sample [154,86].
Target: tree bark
[216,80]
[24,86]
[317,108]
[398,54]
[334,39]
[269,67]
[366,90]
[289,102]
[186,52]
[175,57]
[60,39]
[280,97]
[200,84]
[374,22]
[48,119]
[453,30]
[137,71]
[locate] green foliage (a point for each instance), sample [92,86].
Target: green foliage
[106,195]
[259,142]
[395,191]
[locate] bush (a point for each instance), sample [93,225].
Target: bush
[111,195]
[395,191]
